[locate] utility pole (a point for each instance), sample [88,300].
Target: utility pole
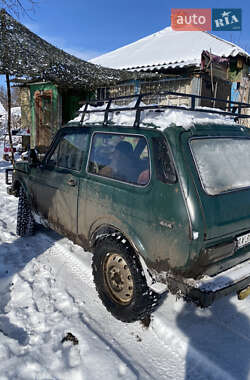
[9,116]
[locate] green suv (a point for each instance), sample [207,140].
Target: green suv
[162,209]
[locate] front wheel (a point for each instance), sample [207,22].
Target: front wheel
[120,280]
[25,221]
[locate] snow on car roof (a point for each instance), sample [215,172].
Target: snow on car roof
[162,120]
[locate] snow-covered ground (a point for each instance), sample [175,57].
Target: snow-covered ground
[46,292]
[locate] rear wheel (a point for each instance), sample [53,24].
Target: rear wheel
[25,221]
[120,280]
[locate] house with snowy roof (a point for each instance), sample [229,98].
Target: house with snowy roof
[182,61]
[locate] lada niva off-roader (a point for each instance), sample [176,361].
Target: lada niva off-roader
[162,207]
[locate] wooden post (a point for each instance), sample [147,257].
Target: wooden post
[9,117]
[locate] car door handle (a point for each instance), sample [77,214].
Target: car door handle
[71,182]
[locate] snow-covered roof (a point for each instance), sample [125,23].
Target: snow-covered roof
[168,48]
[2,109]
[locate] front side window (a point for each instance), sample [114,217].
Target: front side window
[69,151]
[120,157]
[223,163]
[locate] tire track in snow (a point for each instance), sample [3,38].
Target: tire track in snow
[83,273]
[124,346]
[173,338]
[169,343]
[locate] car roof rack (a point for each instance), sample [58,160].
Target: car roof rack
[231,106]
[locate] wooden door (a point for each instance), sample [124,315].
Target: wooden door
[43,111]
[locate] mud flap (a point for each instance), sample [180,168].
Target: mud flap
[205,291]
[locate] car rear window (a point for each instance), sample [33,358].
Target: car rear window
[223,163]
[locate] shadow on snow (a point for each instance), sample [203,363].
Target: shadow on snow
[219,341]
[14,256]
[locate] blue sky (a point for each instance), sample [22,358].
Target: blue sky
[88,28]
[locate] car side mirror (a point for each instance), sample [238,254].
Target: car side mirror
[33,159]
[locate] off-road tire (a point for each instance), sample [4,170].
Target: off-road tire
[142,301]
[25,221]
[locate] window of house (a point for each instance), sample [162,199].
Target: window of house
[120,157]
[102,93]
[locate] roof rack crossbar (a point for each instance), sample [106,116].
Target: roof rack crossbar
[167,93]
[181,94]
[230,106]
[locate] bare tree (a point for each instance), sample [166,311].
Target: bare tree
[18,7]
[15,97]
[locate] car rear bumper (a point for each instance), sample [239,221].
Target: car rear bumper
[205,291]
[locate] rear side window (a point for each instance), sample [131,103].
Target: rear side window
[165,171]
[69,151]
[121,157]
[223,163]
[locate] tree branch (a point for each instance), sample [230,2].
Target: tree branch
[17,7]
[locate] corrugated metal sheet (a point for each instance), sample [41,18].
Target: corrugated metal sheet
[172,65]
